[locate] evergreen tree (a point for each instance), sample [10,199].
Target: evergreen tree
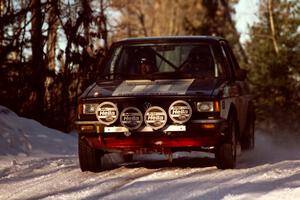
[274,57]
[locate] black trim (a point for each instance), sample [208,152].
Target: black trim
[170,39]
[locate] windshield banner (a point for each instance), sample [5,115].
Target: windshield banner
[157,87]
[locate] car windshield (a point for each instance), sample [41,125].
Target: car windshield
[161,60]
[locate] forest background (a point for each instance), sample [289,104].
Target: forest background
[51,50]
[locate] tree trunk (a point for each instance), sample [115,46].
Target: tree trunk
[51,50]
[38,77]
[272,26]
[87,12]
[1,23]
[141,17]
[103,25]
[52,34]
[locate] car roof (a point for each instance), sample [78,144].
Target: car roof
[163,39]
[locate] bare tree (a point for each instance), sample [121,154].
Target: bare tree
[103,25]
[272,26]
[1,23]
[52,34]
[51,51]
[87,19]
[150,17]
[37,59]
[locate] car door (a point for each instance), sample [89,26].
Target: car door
[238,85]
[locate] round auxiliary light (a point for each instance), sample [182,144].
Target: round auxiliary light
[107,113]
[180,111]
[131,118]
[155,117]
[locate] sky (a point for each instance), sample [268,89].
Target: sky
[246,15]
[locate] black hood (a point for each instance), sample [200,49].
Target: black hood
[163,87]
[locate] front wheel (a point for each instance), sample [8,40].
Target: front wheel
[90,159]
[226,151]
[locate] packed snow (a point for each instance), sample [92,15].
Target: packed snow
[41,163]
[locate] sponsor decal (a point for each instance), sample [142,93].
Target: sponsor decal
[146,105]
[180,111]
[107,113]
[155,117]
[131,118]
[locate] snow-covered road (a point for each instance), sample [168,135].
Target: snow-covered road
[48,172]
[186,178]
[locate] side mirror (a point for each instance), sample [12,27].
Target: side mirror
[241,74]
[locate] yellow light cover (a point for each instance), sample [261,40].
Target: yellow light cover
[208,126]
[87,128]
[216,106]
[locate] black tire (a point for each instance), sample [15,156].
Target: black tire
[248,141]
[90,159]
[128,157]
[226,151]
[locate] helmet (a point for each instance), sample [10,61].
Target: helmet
[144,60]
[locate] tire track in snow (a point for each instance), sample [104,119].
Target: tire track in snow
[30,177]
[259,173]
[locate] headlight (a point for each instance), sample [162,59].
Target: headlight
[89,108]
[208,106]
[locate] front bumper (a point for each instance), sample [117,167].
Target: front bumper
[196,134]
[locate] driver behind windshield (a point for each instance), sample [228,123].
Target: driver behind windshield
[145,67]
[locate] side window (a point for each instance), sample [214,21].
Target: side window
[227,59]
[234,66]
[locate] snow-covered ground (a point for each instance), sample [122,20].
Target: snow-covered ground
[40,163]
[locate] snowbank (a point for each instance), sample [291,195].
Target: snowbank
[25,137]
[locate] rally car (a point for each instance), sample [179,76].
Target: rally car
[166,94]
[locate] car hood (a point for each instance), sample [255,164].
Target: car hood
[163,87]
